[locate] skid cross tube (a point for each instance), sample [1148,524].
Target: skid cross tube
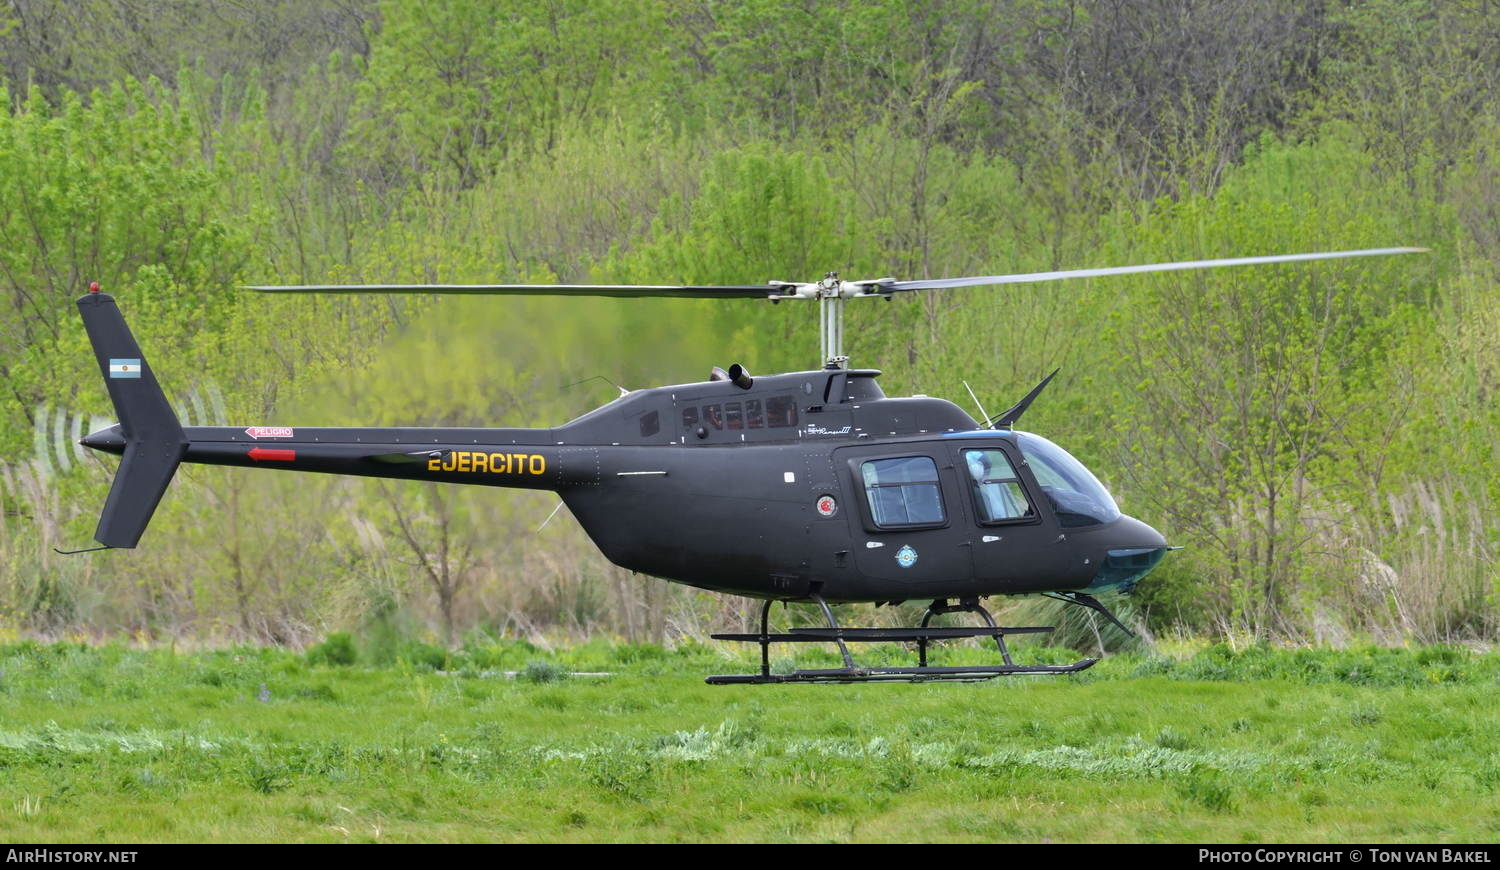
[838,633]
[967,605]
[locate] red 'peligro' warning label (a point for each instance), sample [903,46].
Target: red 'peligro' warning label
[269,431]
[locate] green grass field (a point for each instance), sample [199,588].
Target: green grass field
[112,744]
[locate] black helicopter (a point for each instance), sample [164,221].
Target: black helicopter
[811,486]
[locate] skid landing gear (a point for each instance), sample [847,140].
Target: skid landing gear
[922,636]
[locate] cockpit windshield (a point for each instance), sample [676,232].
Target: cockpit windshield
[1076,495]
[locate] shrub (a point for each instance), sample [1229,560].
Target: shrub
[337,649]
[538,671]
[423,655]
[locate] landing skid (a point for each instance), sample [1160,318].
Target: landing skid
[922,636]
[899,675]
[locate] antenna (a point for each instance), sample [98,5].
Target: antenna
[1009,416]
[623,391]
[983,414]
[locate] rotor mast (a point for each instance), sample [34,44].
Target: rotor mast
[831,321]
[831,293]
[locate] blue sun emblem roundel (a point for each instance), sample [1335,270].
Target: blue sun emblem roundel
[906,557]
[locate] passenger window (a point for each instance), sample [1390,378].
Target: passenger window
[732,418]
[781,412]
[650,424]
[713,416]
[997,490]
[754,419]
[689,419]
[903,492]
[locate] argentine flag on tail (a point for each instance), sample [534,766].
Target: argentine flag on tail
[124,368]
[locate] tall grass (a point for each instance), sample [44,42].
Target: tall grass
[116,744]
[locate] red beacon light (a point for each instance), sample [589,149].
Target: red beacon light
[93,286]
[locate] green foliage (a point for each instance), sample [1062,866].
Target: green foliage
[422,656]
[456,87]
[1208,791]
[114,191]
[337,649]
[758,210]
[130,744]
[1258,395]
[1367,666]
[265,777]
[1321,437]
[538,671]
[83,45]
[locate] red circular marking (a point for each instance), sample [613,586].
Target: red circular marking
[827,506]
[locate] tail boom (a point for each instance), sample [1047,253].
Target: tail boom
[152,443]
[515,458]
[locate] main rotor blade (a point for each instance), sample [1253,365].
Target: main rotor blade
[943,283]
[734,291]
[786,290]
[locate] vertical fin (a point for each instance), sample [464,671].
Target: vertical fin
[154,440]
